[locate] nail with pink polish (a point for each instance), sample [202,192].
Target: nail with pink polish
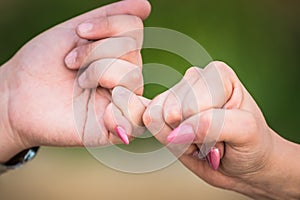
[181,135]
[213,158]
[122,134]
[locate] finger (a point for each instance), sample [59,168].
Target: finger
[218,145]
[217,85]
[214,156]
[112,26]
[139,8]
[119,47]
[172,108]
[202,169]
[131,107]
[117,124]
[153,118]
[145,101]
[109,73]
[94,131]
[217,125]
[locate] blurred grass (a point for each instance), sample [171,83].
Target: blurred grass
[260,40]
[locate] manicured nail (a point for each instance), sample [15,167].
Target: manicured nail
[70,60]
[213,158]
[181,135]
[85,27]
[122,134]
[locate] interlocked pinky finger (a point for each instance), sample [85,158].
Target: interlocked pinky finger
[117,124]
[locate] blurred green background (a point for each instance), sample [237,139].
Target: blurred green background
[260,40]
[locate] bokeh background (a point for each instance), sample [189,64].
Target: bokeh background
[260,40]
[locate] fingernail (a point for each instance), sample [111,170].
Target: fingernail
[81,79]
[122,134]
[70,60]
[85,27]
[181,135]
[213,158]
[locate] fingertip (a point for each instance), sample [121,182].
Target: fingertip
[142,8]
[71,59]
[84,29]
[146,9]
[81,80]
[119,92]
[121,132]
[214,158]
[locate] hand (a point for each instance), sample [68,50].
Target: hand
[210,106]
[37,89]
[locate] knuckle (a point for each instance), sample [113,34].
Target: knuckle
[251,123]
[222,67]
[135,77]
[218,65]
[192,71]
[189,110]
[107,82]
[172,116]
[136,22]
[147,118]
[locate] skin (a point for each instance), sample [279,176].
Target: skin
[39,87]
[255,160]
[37,93]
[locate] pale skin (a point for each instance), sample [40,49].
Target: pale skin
[37,96]
[39,86]
[255,160]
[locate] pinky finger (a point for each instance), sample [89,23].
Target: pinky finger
[117,124]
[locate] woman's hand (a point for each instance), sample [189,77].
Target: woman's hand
[211,113]
[41,102]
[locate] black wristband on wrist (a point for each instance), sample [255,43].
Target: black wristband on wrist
[19,159]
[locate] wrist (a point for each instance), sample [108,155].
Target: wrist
[10,143]
[280,179]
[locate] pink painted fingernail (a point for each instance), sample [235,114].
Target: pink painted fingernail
[181,135]
[213,158]
[122,134]
[70,60]
[85,27]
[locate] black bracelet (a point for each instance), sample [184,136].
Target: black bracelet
[19,159]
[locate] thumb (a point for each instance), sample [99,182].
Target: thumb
[139,8]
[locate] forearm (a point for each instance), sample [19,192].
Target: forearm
[281,177]
[10,145]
